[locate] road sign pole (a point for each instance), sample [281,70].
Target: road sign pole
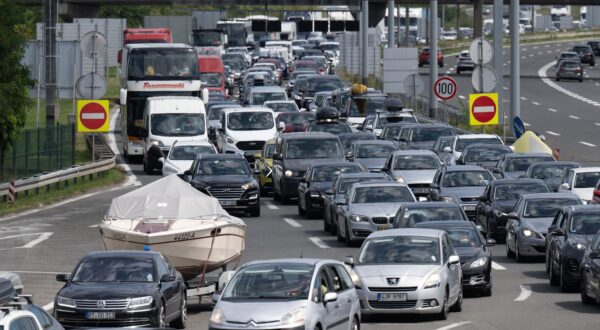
[433,58]
[365,41]
[515,62]
[444,113]
[414,98]
[498,59]
[391,19]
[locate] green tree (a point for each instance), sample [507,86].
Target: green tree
[14,77]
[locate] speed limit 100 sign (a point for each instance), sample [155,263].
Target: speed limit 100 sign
[445,88]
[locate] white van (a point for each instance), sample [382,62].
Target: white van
[261,94]
[168,119]
[246,128]
[284,44]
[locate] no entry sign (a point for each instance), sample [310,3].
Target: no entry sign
[483,109]
[445,88]
[92,116]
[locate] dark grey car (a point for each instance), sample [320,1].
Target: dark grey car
[551,172]
[513,166]
[423,136]
[371,154]
[483,155]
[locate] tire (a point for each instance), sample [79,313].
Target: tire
[147,168]
[457,307]
[255,210]
[554,279]
[355,324]
[585,299]
[547,263]
[509,252]
[276,196]
[557,79]
[347,239]
[580,80]
[333,227]
[159,322]
[338,234]
[564,284]
[326,225]
[181,321]
[301,211]
[518,257]
[487,290]
[443,315]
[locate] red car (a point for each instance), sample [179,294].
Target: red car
[424,57]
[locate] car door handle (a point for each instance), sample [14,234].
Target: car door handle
[336,306]
[349,300]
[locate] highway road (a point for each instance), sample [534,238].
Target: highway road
[567,113]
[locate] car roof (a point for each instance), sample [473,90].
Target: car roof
[382,142]
[446,224]
[122,253]
[259,89]
[463,168]
[307,261]
[219,156]
[374,175]
[428,205]
[358,134]
[531,154]
[428,125]
[556,163]
[477,136]
[487,145]
[193,143]
[586,169]
[307,135]
[247,109]
[424,232]
[367,184]
[521,180]
[549,195]
[341,163]
[412,152]
[585,208]
[280,102]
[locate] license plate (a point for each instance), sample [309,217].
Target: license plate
[421,190]
[382,228]
[469,207]
[391,297]
[100,315]
[228,203]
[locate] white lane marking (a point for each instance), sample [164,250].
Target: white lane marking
[454,325]
[597,84]
[525,293]
[535,47]
[43,237]
[461,97]
[447,72]
[132,180]
[597,124]
[319,242]
[271,206]
[587,144]
[497,266]
[531,55]
[451,69]
[526,124]
[505,88]
[523,98]
[542,73]
[523,57]
[93,226]
[549,52]
[524,49]
[552,133]
[547,46]
[573,117]
[535,103]
[552,110]
[292,222]
[48,307]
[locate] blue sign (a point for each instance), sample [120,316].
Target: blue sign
[519,127]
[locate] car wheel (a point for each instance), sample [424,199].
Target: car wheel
[181,321]
[487,290]
[585,299]
[420,65]
[333,227]
[147,169]
[554,279]
[564,284]
[276,195]
[509,252]
[255,210]
[160,317]
[443,315]
[347,239]
[457,307]
[326,225]
[355,324]
[581,80]
[547,259]
[300,209]
[518,256]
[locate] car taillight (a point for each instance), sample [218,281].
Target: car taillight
[597,193]
[578,70]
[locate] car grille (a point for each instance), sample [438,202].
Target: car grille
[250,145]
[382,220]
[226,193]
[108,304]
[392,304]
[463,263]
[469,199]
[391,289]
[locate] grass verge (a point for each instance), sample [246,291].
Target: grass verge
[62,191]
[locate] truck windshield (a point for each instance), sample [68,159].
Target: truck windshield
[207,38]
[211,79]
[163,64]
[250,121]
[175,124]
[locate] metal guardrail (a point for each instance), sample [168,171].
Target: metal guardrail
[106,160]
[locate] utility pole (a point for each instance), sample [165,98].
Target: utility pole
[365,42]
[515,63]
[50,16]
[407,25]
[498,36]
[390,23]
[433,59]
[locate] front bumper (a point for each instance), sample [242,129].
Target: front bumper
[418,301]
[475,278]
[240,204]
[289,186]
[531,246]
[470,209]
[361,229]
[314,203]
[76,318]
[248,326]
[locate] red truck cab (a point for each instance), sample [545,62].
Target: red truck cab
[212,74]
[145,36]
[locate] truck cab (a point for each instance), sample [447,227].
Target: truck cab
[212,74]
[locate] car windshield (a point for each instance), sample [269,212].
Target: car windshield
[282,107]
[115,269]
[586,180]
[223,167]
[323,85]
[286,281]
[348,140]
[306,66]
[485,155]
[383,194]
[416,162]
[400,250]
[362,106]
[429,134]
[269,151]
[235,65]
[346,184]
[464,237]
[521,164]
[211,79]
[466,179]
[384,120]
[512,191]
[413,216]
[250,121]
[585,223]
[550,171]
[375,150]
[391,132]
[259,98]
[546,207]
[313,148]
[173,124]
[329,173]
[189,152]
[462,143]
[333,128]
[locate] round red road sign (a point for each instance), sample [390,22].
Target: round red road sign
[92,116]
[483,109]
[445,88]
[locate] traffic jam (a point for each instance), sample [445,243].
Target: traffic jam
[225,128]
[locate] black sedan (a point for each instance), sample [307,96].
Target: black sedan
[569,239]
[590,272]
[317,179]
[473,250]
[122,289]
[499,199]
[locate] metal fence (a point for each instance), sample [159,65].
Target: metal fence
[39,151]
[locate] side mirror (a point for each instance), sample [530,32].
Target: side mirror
[558,232]
[62,278]
[302,180]
[453,260]
[369,127]
[349,155]
[343,201]
[330,297]
[565,186]
[349,261]
[513,216]
[281,126]
[205,95]
[277,156]
[328,192]
[401,139]
[594,255]
[168,278]
[162,160]
[447,149]
[212,133]
[490,242]
[123,96]
[482,198]
[216,297]
[434,186]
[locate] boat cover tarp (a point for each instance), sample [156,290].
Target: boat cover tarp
[169,198]
[7,292]
[529,142]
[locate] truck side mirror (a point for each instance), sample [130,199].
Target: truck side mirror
[205,95]
[123,96]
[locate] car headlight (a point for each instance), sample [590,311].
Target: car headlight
[527,232]
[315,194]
[140,302]
[249,185]
[400,180]
[170,169]
[296,315]
[433,281]
[580,246]
[289,173]
[358,218]
[157,143]
[447,199]
[217,316]
[499,213]
[65,302]
[230,140]
[479,263]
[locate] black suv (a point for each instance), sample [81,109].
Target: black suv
[228,178]
[586,55]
